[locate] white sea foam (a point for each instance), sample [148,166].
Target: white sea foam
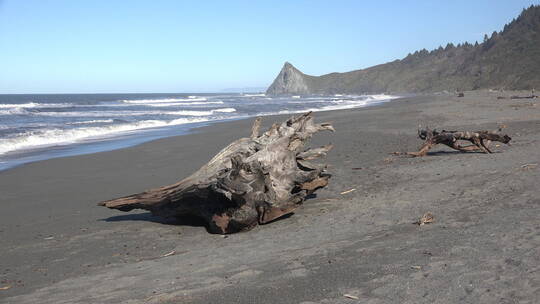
[163,100]
[225,110]
[36,105]
[200,113]
[12,108]
[90,113]
[51,137]
[381,97]
[14,111]
[254,95]
[172,104]
[342,104]
[18,105]
[95,121]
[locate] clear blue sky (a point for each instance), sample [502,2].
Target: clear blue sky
[100,46]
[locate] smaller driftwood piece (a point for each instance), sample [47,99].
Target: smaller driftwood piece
[479,141]
[252,181]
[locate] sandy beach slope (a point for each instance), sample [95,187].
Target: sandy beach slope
[57,246]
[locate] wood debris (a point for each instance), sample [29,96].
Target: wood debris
[5,287]
[527,167]
[348,191]
[389,160]
[480,140]
[427,218]
[351,297]
[169,254]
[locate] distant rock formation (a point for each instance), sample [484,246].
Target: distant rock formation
[289,81]
[507,60]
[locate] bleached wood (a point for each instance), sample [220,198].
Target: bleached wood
[252,181]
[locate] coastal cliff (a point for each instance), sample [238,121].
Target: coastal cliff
[508,59]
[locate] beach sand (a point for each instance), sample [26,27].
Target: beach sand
[57,246]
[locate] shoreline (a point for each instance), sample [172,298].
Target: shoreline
[15,159]
[57,246]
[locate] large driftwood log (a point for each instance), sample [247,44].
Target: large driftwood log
[480,140]
[252,181]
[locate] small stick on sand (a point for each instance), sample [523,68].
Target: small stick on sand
[351,297]
[348,191]
[169,254]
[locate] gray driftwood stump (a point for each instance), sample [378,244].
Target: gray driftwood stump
[252,181]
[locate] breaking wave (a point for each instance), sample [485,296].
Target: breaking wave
[87,122]
[50,137]
[172,104]
[14,111]
[35,105]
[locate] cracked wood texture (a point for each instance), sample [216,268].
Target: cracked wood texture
[252,181]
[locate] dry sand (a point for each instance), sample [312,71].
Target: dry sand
[57,246]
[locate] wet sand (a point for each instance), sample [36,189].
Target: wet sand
[57,246]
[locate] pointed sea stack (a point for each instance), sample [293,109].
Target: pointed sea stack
[290,81]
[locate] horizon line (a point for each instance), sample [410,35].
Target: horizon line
[110,93]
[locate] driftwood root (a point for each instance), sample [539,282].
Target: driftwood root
[252,181]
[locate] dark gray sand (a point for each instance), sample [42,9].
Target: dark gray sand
[57,246]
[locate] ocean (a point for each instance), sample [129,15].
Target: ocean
[44,126]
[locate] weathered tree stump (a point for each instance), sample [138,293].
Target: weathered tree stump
[252,181]
[480,140]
